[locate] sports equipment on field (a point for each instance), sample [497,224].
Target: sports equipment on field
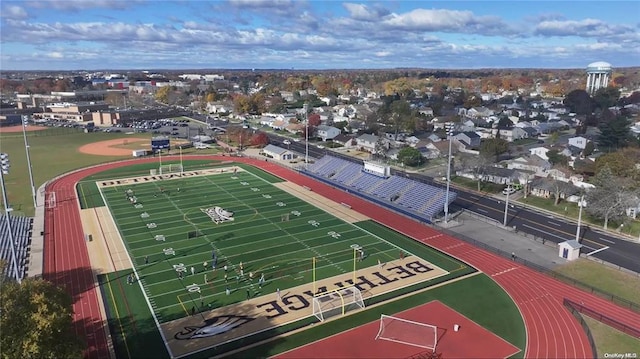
[408,332]
[170,168]
[336,302]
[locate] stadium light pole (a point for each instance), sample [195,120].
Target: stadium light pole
[4,170]
[181,167]
[580,205]
[306,136]
[449,129]
[26,148]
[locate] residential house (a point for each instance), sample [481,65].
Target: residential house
[479,112]
[327,132]
[412,141]
[534,164]
[523,132]
[295,128]
[560,174]
[579,142]
[497,175]
[540,152]
[548,188]
[345,140]
[434,138]
[469,139]
[431,150]
[367,142]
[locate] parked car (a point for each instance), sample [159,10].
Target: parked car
[509,190]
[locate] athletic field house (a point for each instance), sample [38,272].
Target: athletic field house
[219,256]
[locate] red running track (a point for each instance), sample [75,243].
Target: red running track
[552,332]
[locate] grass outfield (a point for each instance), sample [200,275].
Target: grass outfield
[258,238]
[53,152]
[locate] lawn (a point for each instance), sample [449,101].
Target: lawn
[602,277]
[264,244]
[609,340]
[53,152]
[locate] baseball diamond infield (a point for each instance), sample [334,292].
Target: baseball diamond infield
[551,329]
[110,147]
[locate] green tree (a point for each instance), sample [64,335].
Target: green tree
[556,158]
[493,148]
[36,318]
[606,97]
[588,149]
[410,156]
[401,117]
[614,134]
[579,102]
[621,163]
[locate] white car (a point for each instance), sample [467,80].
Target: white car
[509,190]
[286,142]
[320,146]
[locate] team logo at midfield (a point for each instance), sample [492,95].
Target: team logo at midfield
[213,326]
[218,214]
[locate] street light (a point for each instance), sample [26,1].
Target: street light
[26,148]
[449,129]
[4,170]
[581,204]
[506,205]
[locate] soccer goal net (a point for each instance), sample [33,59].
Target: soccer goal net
[170,168]
[408,332]
[337,302]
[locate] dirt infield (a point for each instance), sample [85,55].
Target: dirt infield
[109,147]
[12,129]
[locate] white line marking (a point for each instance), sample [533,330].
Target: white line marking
[596,251]
[555,224]
[606,240]
[539,230]
[482,210]
[593,249]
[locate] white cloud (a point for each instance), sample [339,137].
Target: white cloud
[77,5]
[581,28]
[364,12]
[14,12]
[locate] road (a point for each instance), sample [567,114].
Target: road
[603,246]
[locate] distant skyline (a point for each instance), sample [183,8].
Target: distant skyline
[285,34]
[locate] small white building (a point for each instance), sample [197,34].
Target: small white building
[278,153]
[569,250]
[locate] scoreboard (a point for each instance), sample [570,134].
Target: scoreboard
[160,143]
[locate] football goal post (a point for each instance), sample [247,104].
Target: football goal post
[170,168]
[337,302]
[408,332]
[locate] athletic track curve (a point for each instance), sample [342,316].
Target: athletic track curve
[552,331]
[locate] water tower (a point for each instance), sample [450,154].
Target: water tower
[598,74]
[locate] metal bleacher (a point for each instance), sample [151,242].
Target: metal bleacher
[424,200]
[22,228]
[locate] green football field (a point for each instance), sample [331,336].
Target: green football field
[260,237]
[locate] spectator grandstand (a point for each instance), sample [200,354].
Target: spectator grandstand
[22,228]
[417,199]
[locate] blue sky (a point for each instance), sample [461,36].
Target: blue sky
[284,34]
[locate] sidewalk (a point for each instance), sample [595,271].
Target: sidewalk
[492,234]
